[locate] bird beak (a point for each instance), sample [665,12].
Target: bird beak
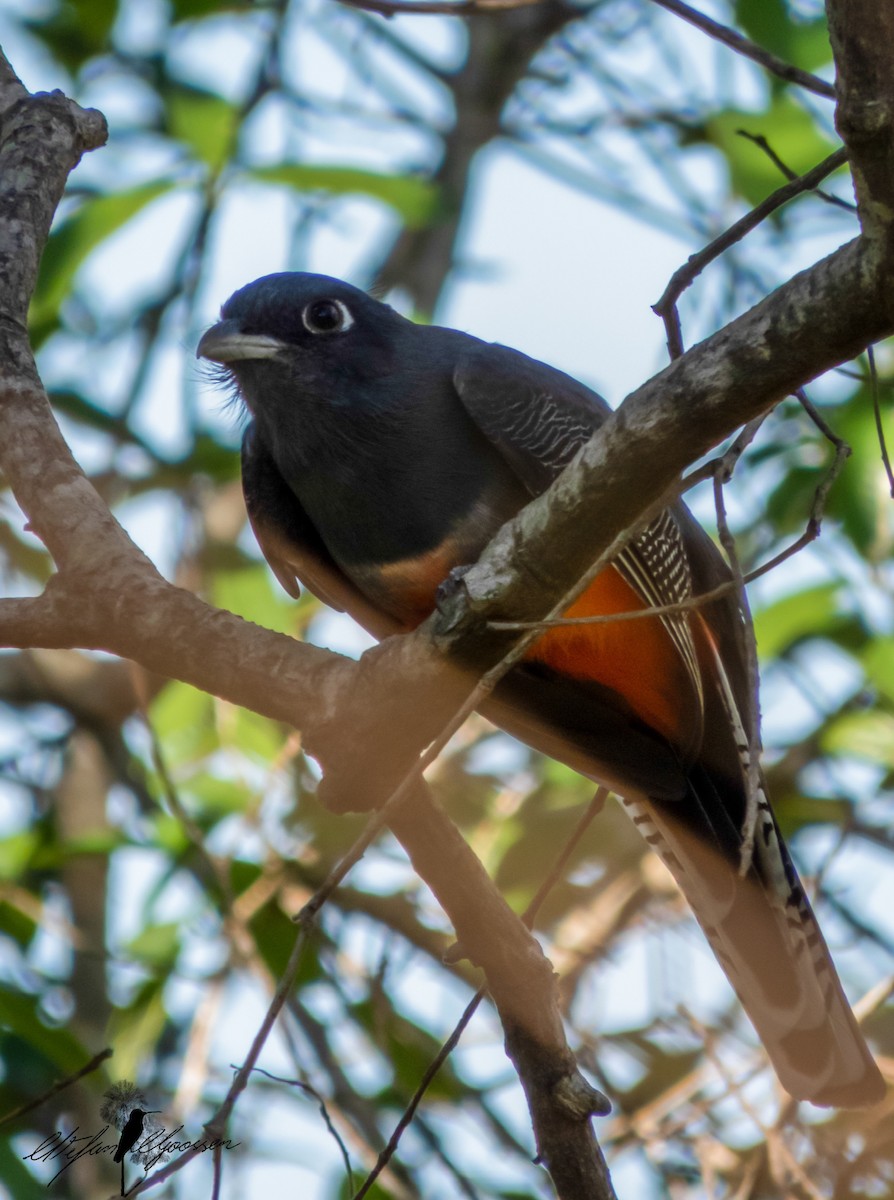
[225,342]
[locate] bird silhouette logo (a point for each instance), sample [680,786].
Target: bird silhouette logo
[126,1108]
[132,1131]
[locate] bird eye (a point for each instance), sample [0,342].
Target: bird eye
[326,316]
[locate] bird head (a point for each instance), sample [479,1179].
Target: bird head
[301,334]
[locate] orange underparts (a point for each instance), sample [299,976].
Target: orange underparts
[637,659]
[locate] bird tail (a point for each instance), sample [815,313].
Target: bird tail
[762,929]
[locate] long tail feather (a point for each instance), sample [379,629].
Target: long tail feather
[762,929]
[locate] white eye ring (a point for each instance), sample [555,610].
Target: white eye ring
[326,315]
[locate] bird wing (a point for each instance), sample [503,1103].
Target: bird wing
[290,542]
[538,418]
[758,921]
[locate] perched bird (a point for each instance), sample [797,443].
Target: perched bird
[130,1134]
[381,455]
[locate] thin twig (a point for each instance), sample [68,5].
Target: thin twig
[410,1111]
[842,454]
[634,614]
[217,1125]
[593,809]
[476,697]
[877,410]
[725,462]
[684,276]
[744,46]
[453,8]
[753,787]
[762,144]
[92,1065]
[324,1112]
[694,602]
[217,1162]
[776,1147]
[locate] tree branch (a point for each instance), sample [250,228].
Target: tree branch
[666,307]
[744,46]
[862,35]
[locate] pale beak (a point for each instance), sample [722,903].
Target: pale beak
[226,342]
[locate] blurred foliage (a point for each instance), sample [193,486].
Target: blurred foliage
[146,901]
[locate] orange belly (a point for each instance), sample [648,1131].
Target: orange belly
[637,659]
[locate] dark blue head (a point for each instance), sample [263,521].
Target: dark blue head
[308,329]
[303,350]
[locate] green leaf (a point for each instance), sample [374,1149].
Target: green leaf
[16,923]
[73,240]
[414,198]
[52,855]
[409,1050]
[810,613]
[878,663]
[17,852]
[217,797]
[789,130]
[183,720]
[185,10]
[77,30]
[347,1189]
[250,594]
[802,43]
[867,735]
[19,1013]
[797,812]
[258,737]
[209,457]
[157,945]
[204,121]
[169,835]
[24,557]
[861,499]
[135,1031]
[274,934]
[18,1178]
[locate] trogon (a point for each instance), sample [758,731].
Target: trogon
[382,454]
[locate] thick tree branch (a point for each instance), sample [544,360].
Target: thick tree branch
[862,34]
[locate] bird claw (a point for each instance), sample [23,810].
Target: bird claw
[448,590]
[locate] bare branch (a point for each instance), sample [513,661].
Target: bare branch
[862,35]
[453,8]
[762,144]
[742,45]
[95,1062]
[879,424]
[425,1082]
[666,307]
[324,1113]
